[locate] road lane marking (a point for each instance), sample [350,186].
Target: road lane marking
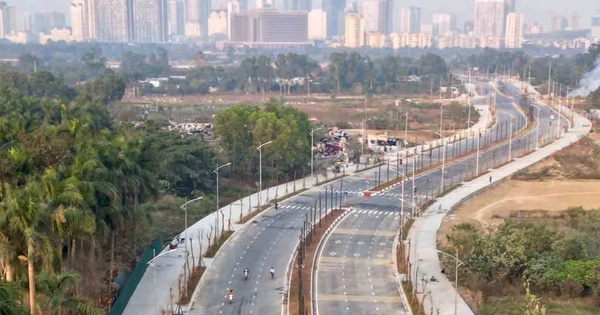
[364,232]
[359,298]
[343,260]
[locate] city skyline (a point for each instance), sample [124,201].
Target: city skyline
[463,9]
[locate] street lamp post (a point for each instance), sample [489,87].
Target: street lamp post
[312,151]
[406,127]
[362,142]
[477,160]
[444,144]
[415,154]
[185,219]
[216,171]
[259,148]
[458,263]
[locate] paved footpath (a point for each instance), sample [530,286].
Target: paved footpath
[424,258]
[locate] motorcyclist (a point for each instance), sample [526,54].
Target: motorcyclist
[272,272]
[246,273]
[230,295]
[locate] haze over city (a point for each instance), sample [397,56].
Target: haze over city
[533,10]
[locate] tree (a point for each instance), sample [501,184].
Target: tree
[57,295]
[9,299]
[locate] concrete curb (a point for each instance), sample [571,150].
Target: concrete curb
[333,226]
[397,275]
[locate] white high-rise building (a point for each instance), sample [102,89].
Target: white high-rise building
[78,21]
[489,18]
[443,23]
[370,12]
[355,30]
[317,24]
[217,23]
[514,30]
[7,17]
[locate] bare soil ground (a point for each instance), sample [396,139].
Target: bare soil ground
[515,197]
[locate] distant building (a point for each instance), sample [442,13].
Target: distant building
[369,9]
[217,23]
[595,21]
[355,30]
[78,26]
[269,27]
[176,18]
[410,20]
[489,19]
[233,7]
[335,17]
[317,24]
[412,40]
[196,18]
[514,30]
[55,35]
[111,21]
[149,21]
[427,28]
[18,37]
[443,23]
[376,39]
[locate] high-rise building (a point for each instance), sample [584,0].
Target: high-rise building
[369,9]
[514,30]
[196,17]
[217,23]
[395,16]
[12,19]
[5,20]
[176,21]
[317,24]
[232,8]
[443,23]
[595,21]
[575,22]
[148,21]
[112,21]
[269,26]
[355,30]
[468,28]
[509,6]
[410,20]
[386,16]
[78,25]
[489,18]
[335,17]
[43,22]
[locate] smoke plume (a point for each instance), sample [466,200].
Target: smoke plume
[590,81]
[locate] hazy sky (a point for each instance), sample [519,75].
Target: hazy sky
[534,10]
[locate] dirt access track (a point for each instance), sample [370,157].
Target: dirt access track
[489,207]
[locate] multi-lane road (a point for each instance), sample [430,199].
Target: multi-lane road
[269,241]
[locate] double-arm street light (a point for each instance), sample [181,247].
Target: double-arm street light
[458,263]
[312,150]
[259,148]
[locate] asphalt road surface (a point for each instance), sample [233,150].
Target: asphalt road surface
[270,240]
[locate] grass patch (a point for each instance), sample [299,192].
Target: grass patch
[214,248]
[413,301]
[193,281]
[514,305]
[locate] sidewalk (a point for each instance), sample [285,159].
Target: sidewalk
[423,233]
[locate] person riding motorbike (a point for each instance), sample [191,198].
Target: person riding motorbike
[246,273]
[230,296]
[272,273]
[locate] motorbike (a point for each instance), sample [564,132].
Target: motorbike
[245,275]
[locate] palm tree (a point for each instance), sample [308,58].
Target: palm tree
[56,295]
[9,299]
[22,216]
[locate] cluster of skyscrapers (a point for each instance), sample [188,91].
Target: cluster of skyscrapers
[271,23]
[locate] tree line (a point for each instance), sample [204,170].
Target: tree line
[72,182]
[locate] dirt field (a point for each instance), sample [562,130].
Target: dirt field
[515,196]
